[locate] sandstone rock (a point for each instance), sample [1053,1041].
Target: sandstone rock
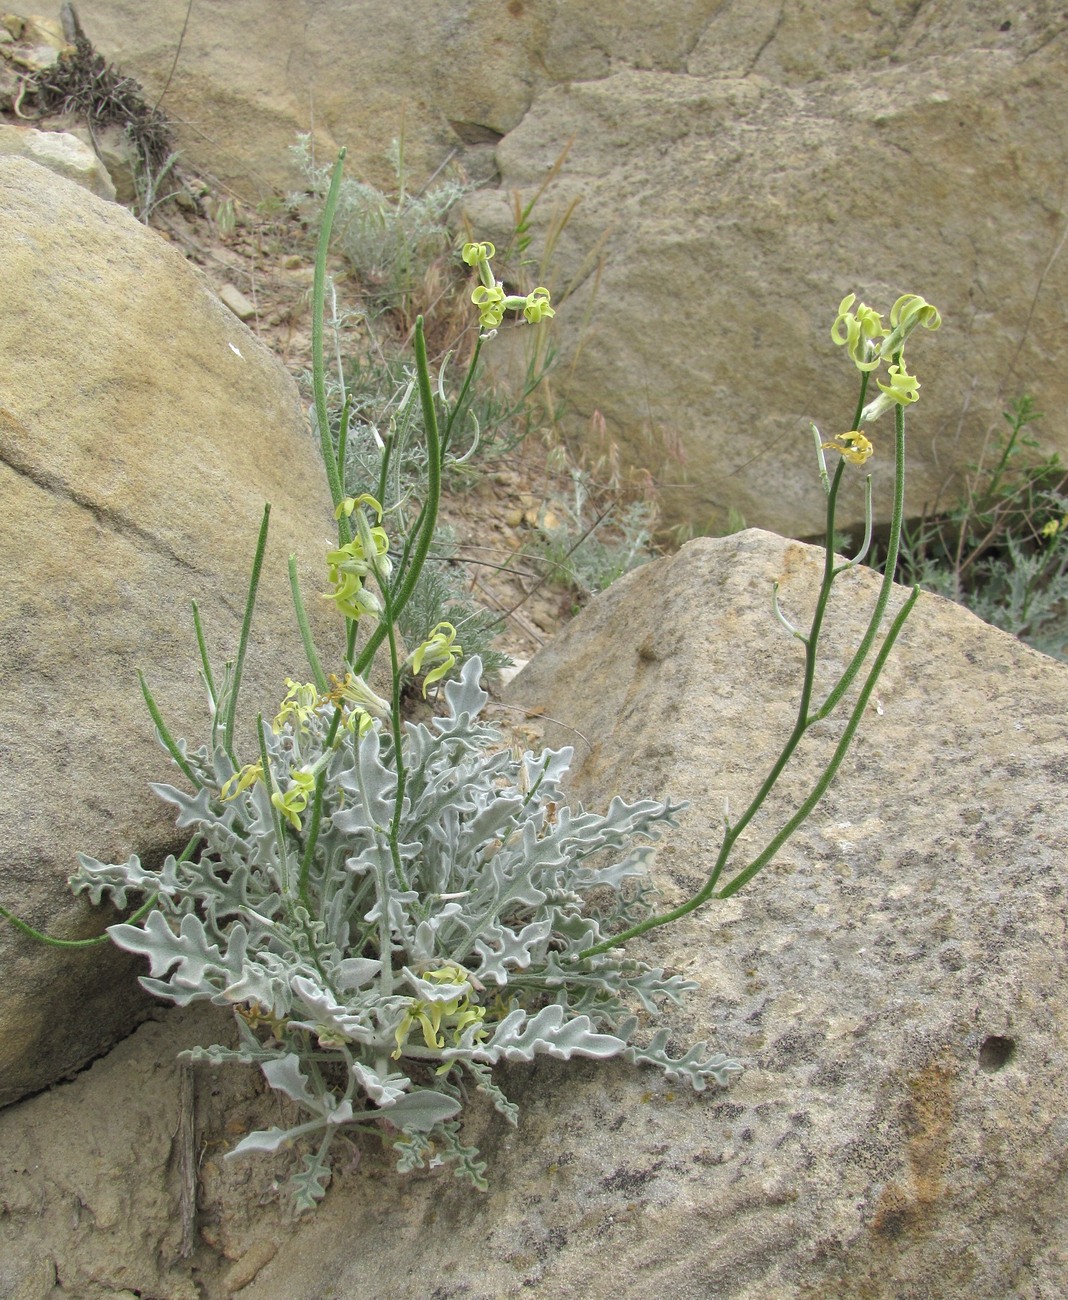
[251,77]
[755,173]
[894,986]
[142,427]
[232,296]
[61,153]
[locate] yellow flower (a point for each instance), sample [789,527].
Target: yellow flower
[355,691]
[352,597]
[368,552]
[295,800]
[473,254]
[298,706]
[909,312]
[350,503]
[862,328]
[490,303]
[852,446]
[439,652]
[537,306]
[248,776]
[455,1014]
[902,390]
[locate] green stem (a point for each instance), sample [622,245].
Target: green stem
[828,775]
[326,445]
[458,404]
[396,726]
[276,816]
[132,919]
[889,569]
[429,514]
[305,629]
[205,664]
[312,839]
[230,710]
[166,739]
[805,720]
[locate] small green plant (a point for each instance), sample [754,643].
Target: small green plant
[585,544]
[1002,549]
[392,908]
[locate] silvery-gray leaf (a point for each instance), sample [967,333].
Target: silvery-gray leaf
[421,1110]
[520,1037]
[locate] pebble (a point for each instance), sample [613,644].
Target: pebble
[237,302]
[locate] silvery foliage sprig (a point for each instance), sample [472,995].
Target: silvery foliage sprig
[386,1003]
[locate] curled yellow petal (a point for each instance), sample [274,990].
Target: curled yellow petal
[852,446]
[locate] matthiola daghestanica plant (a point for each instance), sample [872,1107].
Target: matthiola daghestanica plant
[391,907]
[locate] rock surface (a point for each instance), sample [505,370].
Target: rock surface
[142,428]
[894,986]
[61,153]
[745,181]
[249,77]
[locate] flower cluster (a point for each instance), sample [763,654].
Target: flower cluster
[869,343]
[490,298]
[446,1003]
[438,653]
[367,553]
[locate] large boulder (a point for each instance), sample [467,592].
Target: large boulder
[448,79]
[894,987]
[746,180]
[142,428]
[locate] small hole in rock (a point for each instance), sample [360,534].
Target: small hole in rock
[995,1052]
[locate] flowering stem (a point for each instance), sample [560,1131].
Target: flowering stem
[428,518]
[805,720]
[889,568]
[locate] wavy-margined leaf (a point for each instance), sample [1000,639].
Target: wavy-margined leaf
[502,949]
[285,1075]
[371,787]
[501,878]
[550,1032]
[201,965]
[354,972]
[484,1083]
[693,1067]
[383,1089]
[310,1182]
[358,1026]
[98,879]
